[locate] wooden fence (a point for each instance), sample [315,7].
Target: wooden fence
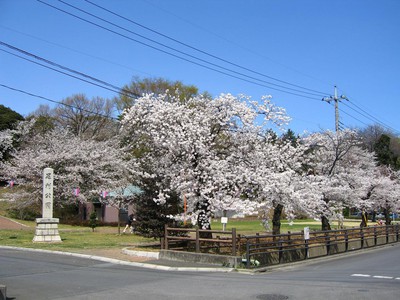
[184,239]
[266,249]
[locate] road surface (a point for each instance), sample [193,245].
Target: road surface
[369,275]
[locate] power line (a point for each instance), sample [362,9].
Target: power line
[183,58]
[353,117]
[195,48]
[371,118]
[57,102]
[100,83]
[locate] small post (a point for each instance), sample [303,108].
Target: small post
[346,240]
[306,233]
[247,254]
[327,243]
[166,237]
[306,248]
[375,236]
[197,240]
[280,245]
[362,237]
[387,234]
[224,221]
[233,241]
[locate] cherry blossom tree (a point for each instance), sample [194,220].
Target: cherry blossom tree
[337,171]
[385,192]
[87,165]
[11,139]
[201,148]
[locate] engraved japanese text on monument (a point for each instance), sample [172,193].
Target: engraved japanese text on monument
[47,208]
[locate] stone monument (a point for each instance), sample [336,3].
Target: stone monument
[47,226]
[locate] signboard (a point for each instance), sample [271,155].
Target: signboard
[224,220]
[306,233]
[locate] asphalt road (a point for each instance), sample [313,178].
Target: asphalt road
[369,275]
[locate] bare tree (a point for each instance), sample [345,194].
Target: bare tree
[86,118]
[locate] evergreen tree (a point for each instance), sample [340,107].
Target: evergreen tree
[8,118]
[383,153]
[151,216]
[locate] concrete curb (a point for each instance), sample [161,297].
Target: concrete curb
[127,251]
[125,263]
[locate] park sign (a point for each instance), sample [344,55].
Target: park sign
[47,226]
[306,233]
[47,207]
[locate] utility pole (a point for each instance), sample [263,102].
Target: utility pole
[336,99]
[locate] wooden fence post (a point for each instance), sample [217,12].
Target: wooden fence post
[165,237]
[306,249]
[387,234]
[280,243]
[327,243]
[247,254]
[197,240]
[233,241]
[362,237]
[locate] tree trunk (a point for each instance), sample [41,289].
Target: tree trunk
[276,220]
[373,219]
[325,223]
[364,219]
[203,219]
[387,216]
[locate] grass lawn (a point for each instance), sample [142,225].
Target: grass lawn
[252,226]
[74,238]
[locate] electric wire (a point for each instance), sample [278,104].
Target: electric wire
[117,90]
[57,102]
[371,118]
[183,58]
[114,88]
[221,59]
[197,49]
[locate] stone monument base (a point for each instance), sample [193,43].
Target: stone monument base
[47,230]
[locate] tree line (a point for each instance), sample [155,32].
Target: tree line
[228,153]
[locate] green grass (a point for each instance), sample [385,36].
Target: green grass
[252,226]
[74,238]
[77,238]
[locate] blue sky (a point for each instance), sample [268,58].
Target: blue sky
[280,44]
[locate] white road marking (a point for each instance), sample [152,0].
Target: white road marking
[375,276]
[361,275]
[383,277]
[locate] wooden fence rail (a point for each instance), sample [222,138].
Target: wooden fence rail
[181,238]
[267,249]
